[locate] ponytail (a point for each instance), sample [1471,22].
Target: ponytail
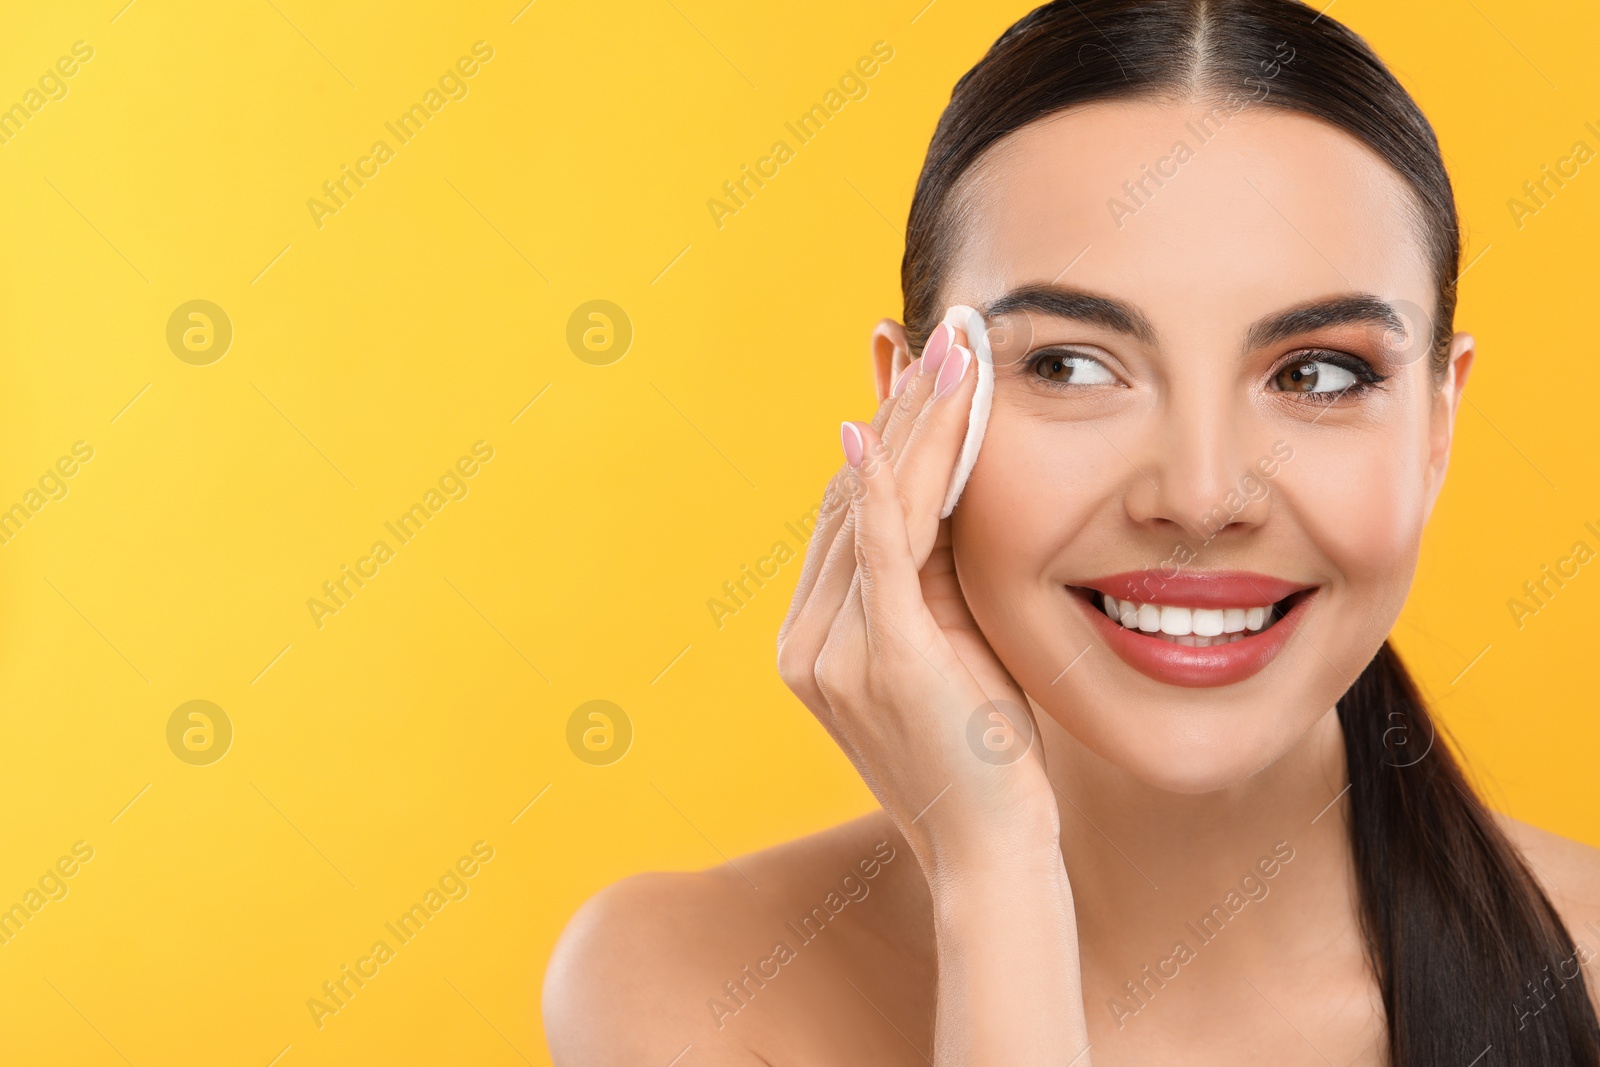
[1469,954]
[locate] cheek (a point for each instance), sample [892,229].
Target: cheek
[1034,488]
[1359,497]
[1037,496]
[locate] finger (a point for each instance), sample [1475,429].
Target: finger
[810,622]
[893,419]
[891,594]
[912,390]
[802,645]
[829,564]
[927,459]
[831,516]
[916,386]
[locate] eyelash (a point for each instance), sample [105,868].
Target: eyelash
[1047,354]
[1366,377]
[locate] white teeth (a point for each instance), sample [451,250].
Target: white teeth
[1176,621]
[1191,627]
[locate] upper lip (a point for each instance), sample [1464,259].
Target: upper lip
[1197,589]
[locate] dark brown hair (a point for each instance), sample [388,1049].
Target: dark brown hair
[1461,939]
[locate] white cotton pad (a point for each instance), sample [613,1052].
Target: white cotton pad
[971,322]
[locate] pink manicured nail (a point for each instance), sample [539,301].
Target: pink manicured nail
[850,436]
[954,369]
[938,346]
[905,376]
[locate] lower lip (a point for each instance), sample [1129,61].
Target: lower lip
[1196,668]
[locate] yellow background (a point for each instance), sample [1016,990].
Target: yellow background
[424,316]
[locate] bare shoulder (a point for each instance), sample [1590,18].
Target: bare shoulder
[731,960]
[607,990]
[1569,873]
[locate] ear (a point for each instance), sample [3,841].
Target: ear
[1446,403]
[891,353]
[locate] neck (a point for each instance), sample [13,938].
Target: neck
[1254,869]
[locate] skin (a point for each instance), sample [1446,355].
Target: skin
[1018,893]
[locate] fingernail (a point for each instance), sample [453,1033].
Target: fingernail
[954,369]
[905,376]
[938,346]
[850,436]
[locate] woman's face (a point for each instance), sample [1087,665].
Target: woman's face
[1190,311]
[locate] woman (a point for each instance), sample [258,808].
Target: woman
[1154,787]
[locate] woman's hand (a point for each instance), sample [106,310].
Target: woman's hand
[880,645]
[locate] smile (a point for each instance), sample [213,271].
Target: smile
[1190,627]
[1196,630]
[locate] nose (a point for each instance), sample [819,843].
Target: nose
[1201,466]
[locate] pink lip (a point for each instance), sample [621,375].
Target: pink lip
[1197,668]
[1203,589]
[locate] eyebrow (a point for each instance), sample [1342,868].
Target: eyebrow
[1356,308]
[1068,302]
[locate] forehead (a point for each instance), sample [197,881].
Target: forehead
[1203,218]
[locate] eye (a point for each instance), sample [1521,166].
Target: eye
[1313,376]
[1061,367]
[1329,376]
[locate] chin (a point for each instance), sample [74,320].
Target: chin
[1183,738]
[1183,749]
